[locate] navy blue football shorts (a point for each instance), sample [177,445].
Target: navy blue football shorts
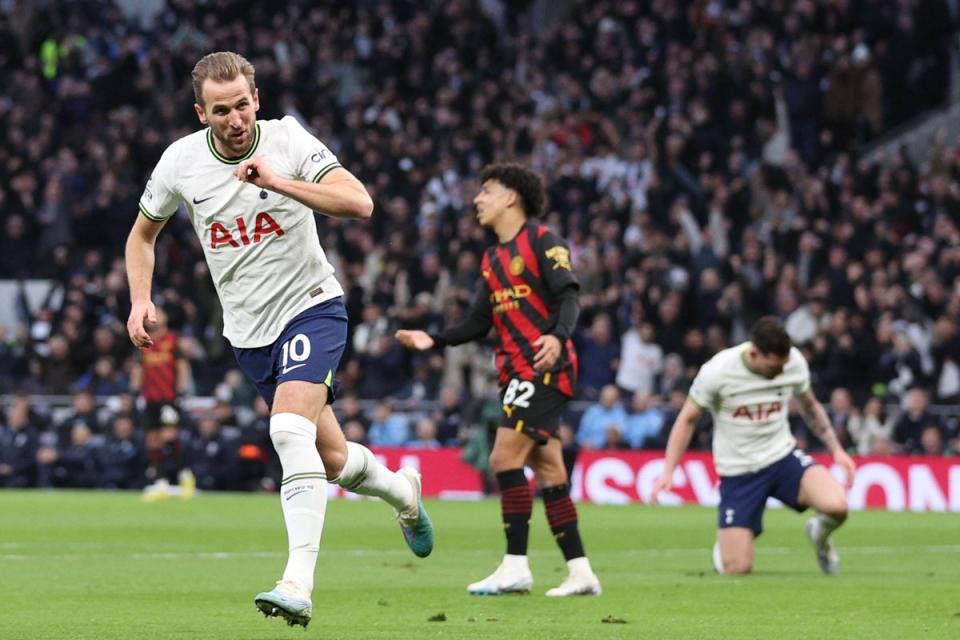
[744,497]
[309,349]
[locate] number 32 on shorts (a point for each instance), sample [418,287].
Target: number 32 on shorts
[518,393]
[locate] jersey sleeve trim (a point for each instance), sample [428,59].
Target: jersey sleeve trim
[325,171]
[153,217]
[696,402]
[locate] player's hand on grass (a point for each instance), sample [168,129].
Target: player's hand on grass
[256,171]
[140,312]
[846,463]
[418,340]
[663,483]
[548,352]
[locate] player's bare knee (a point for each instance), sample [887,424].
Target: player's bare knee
[550,474]
[834,504]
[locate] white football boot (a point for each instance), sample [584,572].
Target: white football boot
[288,601]
[512,576]
[581,581]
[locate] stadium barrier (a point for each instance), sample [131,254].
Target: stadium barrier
[894,483]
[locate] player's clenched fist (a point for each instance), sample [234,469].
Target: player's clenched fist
[418,340]
[256,171]
[141,311]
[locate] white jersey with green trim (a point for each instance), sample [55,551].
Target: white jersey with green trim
[262,247]
[750,426]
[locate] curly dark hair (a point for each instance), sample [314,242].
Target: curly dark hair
[525,181]
[769,337]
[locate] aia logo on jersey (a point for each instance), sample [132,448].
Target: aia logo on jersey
[758,411]
[263,226]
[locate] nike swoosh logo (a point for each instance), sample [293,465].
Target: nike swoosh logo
[195,201]
[287,370]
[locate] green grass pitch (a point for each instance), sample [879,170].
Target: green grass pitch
[106,565]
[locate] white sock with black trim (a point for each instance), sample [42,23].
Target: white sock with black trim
[303,493]
[364,475]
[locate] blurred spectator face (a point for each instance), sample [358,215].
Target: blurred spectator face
[565,434]
[381,413]
[646,332]
[83,402]
[350,406]
[103,340]
[613,439]
[104,367]
[931,441]
[371,313]
[840,402]
[59,349]
[609,396]
[79,435]
[600,329]
[208,427]
[641,401]
[874,407]
[230,109]
[426,429]
[123,428]
[694,339]
[261,407]
[672,366]
[19,413]
[449,398]
[917,401]
[354,431]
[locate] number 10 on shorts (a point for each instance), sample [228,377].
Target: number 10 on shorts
[296,349]
[518,393]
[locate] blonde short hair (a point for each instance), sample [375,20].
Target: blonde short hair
[222,66]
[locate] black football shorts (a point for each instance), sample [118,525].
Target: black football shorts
[532,407]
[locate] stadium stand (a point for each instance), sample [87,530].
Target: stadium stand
[702,158]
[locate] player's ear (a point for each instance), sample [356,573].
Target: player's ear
[256,99]
[513,198]
[201,114]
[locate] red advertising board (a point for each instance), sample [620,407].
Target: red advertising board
[895,483]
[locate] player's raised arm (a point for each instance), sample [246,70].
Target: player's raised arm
[139,257]
[680,434]
[338,194]
[819,422]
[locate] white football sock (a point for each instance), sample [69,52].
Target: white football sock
[515,563]
[303,493]
[364,475]
[579,566]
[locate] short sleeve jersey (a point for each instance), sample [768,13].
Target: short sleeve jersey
[262,247]
[750,411]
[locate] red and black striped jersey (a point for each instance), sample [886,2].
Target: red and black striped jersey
[523,280]
[160,369]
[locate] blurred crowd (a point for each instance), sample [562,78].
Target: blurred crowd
[701,158]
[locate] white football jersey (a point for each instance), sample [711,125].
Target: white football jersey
[262,247]
[750,411]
